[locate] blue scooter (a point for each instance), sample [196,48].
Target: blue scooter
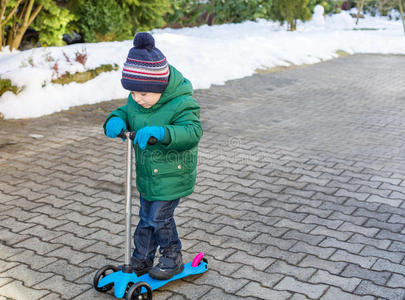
[122,278]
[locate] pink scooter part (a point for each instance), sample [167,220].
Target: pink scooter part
[197,259]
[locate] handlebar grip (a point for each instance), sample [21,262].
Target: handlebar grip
[123,134]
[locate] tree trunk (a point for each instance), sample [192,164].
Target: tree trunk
[293,25]
[401,9]
[28,19]
[360,4]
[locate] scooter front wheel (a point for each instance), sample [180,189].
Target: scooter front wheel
[136,293]
[101,273]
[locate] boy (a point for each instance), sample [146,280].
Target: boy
[160,104]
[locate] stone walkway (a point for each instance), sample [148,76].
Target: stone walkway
[300,194]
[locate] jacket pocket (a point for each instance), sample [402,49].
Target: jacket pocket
[166,169]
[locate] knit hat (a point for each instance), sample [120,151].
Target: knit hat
[146,68]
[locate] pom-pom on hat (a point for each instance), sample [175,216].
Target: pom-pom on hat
[146,68]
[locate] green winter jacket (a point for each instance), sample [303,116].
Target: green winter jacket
[166,170]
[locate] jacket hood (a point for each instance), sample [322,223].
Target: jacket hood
[178,86]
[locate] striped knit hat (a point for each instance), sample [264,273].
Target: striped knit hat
[146,68]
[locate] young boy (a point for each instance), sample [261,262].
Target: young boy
[160,104]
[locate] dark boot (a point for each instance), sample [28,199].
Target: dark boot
[169,265]
[140,267]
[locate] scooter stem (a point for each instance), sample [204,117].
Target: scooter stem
[128,205]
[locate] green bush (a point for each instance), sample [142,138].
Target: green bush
[52,23]
[109,20]
[144,15]
[290,11]
[100,20]
[330,6]
[382,7]
[195,12]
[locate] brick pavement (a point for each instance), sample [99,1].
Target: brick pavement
[300,191]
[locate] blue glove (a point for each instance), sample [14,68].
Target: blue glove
[114,127]
[143,135]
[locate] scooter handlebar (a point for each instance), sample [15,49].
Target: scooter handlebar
[131,134]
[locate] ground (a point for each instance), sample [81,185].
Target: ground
[300,192]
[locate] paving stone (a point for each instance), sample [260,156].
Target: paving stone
[15,225]
[51,296]
[361,239]
[324,231]
[32,259]
[65,269]
[16,290]
[365,262]
[385,265]
[385,200]
[311,290]
[370,231]
[367,288]
[254,261]
[334,293]
[350,247]
[395,257]
[264,278]
[385,234]
[396,281]
[280,267]
[322,264]
[371,214]
[27,276]
[80,231]
[298,297]
[332,224]
[48,222]
[295,225]
[397,246]
[314,211]
[255,290]
[41,232]
[232,232]
[377,277]
[299,236]
[270,240]
[321,252]
[346,284]
[228,284]
[63,287]
[74,257]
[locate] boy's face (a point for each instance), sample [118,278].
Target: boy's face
[146,99]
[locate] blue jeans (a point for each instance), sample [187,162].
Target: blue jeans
[156,227]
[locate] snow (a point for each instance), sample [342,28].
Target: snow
[206,55]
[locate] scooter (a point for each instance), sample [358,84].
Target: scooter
[122,278]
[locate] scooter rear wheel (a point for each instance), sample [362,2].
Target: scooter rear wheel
[135,292]
[101,273]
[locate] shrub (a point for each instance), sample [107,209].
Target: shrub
[330,6]
[82,77]
[52,23]
[195,12]
[100,20]
[6,85]
[144,15]
[290,11]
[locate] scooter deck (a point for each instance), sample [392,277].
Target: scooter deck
[188,271]
[121,279]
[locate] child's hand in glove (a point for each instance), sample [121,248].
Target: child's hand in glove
[143,135]
[114,127]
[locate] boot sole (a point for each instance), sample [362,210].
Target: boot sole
[163,276]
